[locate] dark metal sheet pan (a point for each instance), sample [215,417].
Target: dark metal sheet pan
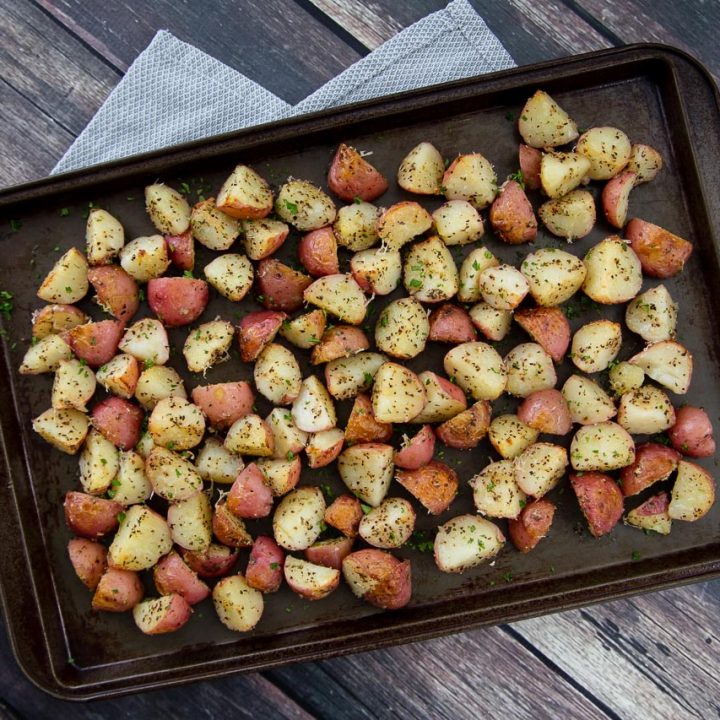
[657,94]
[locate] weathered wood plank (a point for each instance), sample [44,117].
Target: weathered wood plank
[690,26]
[50,67]
[244,697]
[276,43]
[648,657]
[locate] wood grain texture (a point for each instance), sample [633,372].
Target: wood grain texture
[276,43]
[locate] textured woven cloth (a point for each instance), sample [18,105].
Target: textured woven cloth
[148,109]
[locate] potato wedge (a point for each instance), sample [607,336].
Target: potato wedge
[304,205]
[73,386]
[645,411]
[588,402]
[571,216]
[261,238]
[224,403]
[96,342]
[614,272]
[207,345]
[417,450]
[162,615]
[554,275]
[181,249]
[90,516]
[118,591]
[99,463]
[472,178]
[443,399]
[345,514]
[104,237]
[645,161]
[465,542]
[147,341]
[145,258]
[46,355]
[496,492]
[608,150]
[402,329]
[216,561]
[652,515]
[89,560]
[653,463]
[156,383]
[457,222]
[532,525]
[190,522]
[616,198]
[421,170]
[398,394]
[530,159]
[429,272]
[472,266]
[265,565]
[451,324]
[668,363]
[378,578]
[543,123]
[467,428]
[529,369]
[562,172]
[330,553]
[339,341]
[250,496]
[693,492]
[313,409]
[389,525]
[548,327]
[662,254]
[308,580]
[141,540]
[367,471]
[338,295]
[317,251]
[595,345]
[402,222]
[600,500]
[478,369]
[250,435]
[652,315]
[346,377]
[323,447]
[351,176]
[256,330]
[56,319]
[277,374]
[494,324]
[67,282]
[539,468]
[172,575]
[177,301]
[212,227]
[130,486]
[355,227]
[512,216]
[363,426]
[231,275]
[64,429]
[168,210]
[305,330]
[601,447]
[503,287]
[245,195]
[172,476]
[434,485]
[298,519]
[216,464]
[509,436]
[288,440]
[119,420]
[117,292]
[238,605]
[377,270]
[281,475]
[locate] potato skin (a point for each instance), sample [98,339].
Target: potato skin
[653,463]
[256,330]
[351,176]
[90,516]
[418,451]
[162,615]
[532,525]
[118,591]
[530,159]
[280,287]
[228,528]
[340,341]
[389,579]
[177,301]
[96,342]
[692,433]
[89,560]
[546,411]
[119,421]
[435,485]
[451,324]
[249,496]
[265,565]
[362,426]
[512,216]
[662,254]
[224,403]
[173,576]
[216,561]
[181,249]
[467,428]
[548,327]
[317,251]
[345,514]
[600,499]
[330,553]
[116,290]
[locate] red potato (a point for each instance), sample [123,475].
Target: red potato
[265,565]
[344,514]
[512,216]
[340,341]
[444,399]
[181,249]
[173,576]
[662,254]
[228,528]
[120,375]
[616,196]
[532,525]
[530,160]
[96,342]
[417,451]
[324,447]
[435,485]
[546,411]
[652,515]
[56,319]
[117,292]
[256,330]
[467,428]
[548,327]
[281,474]
[216,561]
[330,553]
[693,493]
[177,301]
[317,251]
[362,426]
[118,591]
[263,237]
[308,580]
[245,194]
[352,176]
[119,421]
[379,578]
[89,560]
[451,324]
[162,615]
[249,496]
[279,286]
[600,499]
[653,463]
[90,516]
[692,433]
[224,403]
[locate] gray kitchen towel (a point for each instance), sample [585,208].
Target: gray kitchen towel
[148,109]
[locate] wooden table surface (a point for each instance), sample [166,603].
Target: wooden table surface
[654,656]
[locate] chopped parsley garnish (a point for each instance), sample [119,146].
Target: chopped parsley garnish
[291,206]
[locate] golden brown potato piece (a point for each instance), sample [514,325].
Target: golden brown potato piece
[512,216]
[653,463]
[467,428]
[435,485]
[548,327]
[340,341]
[90,516]
[265,565]
[600,500]
[532,525]
[245,195]
[662,254]
[345,514]
[379,578]
[256,330]
[362,426]
[352,176]
[228,528]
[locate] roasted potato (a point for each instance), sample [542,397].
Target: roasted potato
[503,287]
[90,516]
[692,432]
[118,591]
[250,496]
[145,258]
[614,273]
[398,394]
[377,270]
[305,330]
[429,272]
[214,228]
[530,159]
[645,161]
[130,486]
[652,515]
[402,328]
[457,222]
[147,341]
[330,553]
[256,330]
[378,578]
[668,363]
[548,327]
[496,492]
[338,295]
[261,238]
[600,500]
[417,450]
[444,400]
[190,522]
[64,429]
[89,560]
[539,468]
[228,528]
[351,176]
[304,205]
[693,493]
[653,463]
[245,195]
[543,123]
[67,282]
[168,210]
[608,150]
[661,254]
[216,464]
[466,541]
[281,287]
[472,178]
[317,251]
[308,580]
[645,411]
[367,470]
[162,615]
[587,401]
[216,561]
[120,375]
[355,226]
[172,476]
[176,424]
[511,215]
[421,170]
[339,341]
[177,300]
[323,447]
[56,319]
[313,409]
[494,324]
[363,426]
[117,292]
[402,222]
[156,383]
[529,369]
[238,605]
[281,475]
[467,428]
[595,345]
[389,525]
[181,249]
[346,377]
[652,315]
[509,436]
[451,324]
[277,374]
[104,236]
[601,447]
[298,518]
[250,435]
[265,565]
[73,386]
[120,421]
[435,485]
[625,377]
[224,403]
[478,369]
[616,197]
[345,514]
[532,525]
[96,342]
[141,540]
[571,216]
[562,172]
[472,266]
[546,411]
[288,440]
[231,275]
[554,275]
